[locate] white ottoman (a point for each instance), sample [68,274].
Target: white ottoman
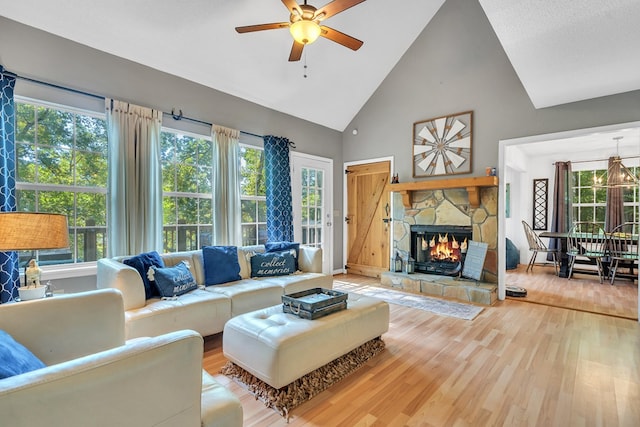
[279,348]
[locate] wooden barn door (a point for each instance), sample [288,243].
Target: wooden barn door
[367,209]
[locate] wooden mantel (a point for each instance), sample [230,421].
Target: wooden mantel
[472,185]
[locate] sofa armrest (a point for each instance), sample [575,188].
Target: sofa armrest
[67,326]
[115,274]
[310,259]
[157,381]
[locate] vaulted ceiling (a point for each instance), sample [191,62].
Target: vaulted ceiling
[562,50]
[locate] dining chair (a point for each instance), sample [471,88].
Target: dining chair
[622,248]
[586,240]
[536,245]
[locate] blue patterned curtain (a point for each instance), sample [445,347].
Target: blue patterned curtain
[278,183]
[9,275]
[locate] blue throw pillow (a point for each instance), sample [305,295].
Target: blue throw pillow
[273,263]
[220,264]
[15,359]
[173,281]
[142,263]
[283,246]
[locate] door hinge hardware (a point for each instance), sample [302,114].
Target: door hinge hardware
[346,171]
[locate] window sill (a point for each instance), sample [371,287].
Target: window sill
[66,271]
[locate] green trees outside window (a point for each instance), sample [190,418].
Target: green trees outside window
[589,203]
[253,196]
[61,167]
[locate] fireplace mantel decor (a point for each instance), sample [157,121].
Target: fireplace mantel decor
[442,145]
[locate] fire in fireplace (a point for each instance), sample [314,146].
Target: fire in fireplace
[440,249]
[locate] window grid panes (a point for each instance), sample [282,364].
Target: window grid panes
[312,204]
[253,195]
[187,201]
[589,203]
[61,167]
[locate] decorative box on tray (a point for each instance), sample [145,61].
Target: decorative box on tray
[314,303]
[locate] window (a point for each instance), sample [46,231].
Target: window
[187,192]
[253,196]
[589,203]
[312,202]
[61,167]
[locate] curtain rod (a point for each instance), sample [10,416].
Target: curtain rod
[176,117]
[598,160]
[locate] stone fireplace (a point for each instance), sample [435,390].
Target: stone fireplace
[448,208]
[468,209]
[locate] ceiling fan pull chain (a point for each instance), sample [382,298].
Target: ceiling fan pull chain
[305,65]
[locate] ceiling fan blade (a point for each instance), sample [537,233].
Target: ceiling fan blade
[261,27]
[341,38]
[296,52]
[292,5]
[336,6]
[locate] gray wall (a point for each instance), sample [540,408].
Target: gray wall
[42,56]
[457,64]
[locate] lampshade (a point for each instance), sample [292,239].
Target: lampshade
[305,31]
[21,231]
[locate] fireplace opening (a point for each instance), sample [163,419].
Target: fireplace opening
[440,249]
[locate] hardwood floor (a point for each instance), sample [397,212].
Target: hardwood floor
[582,292]
[515,364]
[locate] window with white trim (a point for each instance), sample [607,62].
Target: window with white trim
[253,195]
[61,167]
[589,203]
[187,191]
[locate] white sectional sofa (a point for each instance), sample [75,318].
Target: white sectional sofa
[207,309]
[93,377]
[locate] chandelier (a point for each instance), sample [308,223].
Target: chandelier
[617,175]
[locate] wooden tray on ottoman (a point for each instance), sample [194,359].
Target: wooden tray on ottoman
[314,303]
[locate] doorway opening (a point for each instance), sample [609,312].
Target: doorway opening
[523,159]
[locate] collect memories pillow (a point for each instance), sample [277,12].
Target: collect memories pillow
[220,264]
[283,246]
[173,281]
[269,264]
[142,263]
[15,359]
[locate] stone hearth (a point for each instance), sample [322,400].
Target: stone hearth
[461,289]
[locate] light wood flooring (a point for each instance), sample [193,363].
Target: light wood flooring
[516,364]
[582,292]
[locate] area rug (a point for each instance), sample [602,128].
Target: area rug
[283,400]
[433,305]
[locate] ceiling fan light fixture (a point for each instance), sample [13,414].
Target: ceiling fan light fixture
[305,31]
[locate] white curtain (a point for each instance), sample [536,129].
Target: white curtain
[226,186]
[135,179]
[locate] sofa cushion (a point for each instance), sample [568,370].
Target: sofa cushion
[220,264]
[142,263]
[15,359]
[173,281]
[283,246]
[273,263]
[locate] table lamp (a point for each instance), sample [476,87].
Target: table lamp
[22,231]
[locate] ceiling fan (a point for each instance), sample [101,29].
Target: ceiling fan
[304,25]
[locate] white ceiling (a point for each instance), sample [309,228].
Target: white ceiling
[562,50]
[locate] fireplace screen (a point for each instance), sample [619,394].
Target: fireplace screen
[439,249]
